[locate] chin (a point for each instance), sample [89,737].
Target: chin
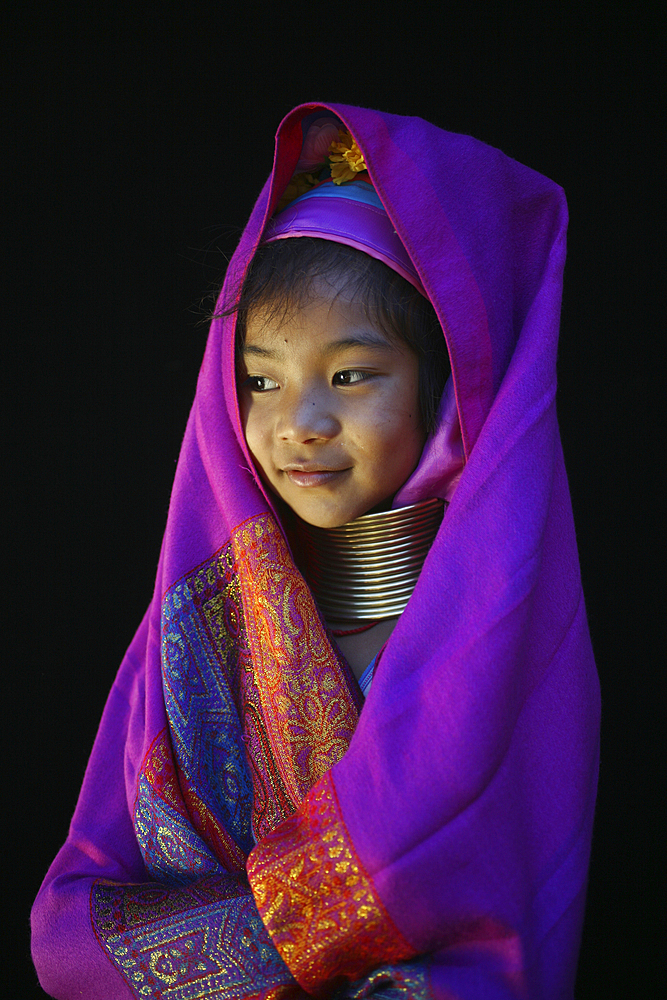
[327,517]
[323,519]
[328,522]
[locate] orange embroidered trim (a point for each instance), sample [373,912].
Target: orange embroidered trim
[306,701]
[317,902]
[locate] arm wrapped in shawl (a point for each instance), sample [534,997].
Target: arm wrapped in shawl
[138,900]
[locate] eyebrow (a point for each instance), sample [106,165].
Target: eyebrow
[261,352]
[369,340]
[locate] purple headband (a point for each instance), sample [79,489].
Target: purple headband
[352,214]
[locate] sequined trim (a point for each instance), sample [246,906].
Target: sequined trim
[305,697]
[316,900]
[189,944]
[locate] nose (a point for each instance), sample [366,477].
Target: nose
[307,415]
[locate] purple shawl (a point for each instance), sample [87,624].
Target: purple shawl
[244,828]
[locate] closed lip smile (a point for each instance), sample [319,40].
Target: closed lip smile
[309,467]
[310,473]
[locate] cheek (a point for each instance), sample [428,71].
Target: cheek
[400,417]
[395,438]
[252,427]
[408,433]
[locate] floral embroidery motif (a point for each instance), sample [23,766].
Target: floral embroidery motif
[259,703]
[316,900]
[189,944]
[301,687]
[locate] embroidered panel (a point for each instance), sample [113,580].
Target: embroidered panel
[173,849]
[256,712]
[202,641]
[304,693]
[203,941]
[315,898]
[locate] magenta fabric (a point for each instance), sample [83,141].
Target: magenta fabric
[442,460]
[469,785]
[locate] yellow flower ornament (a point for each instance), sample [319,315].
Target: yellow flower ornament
[346,158]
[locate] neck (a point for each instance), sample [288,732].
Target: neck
[367,569]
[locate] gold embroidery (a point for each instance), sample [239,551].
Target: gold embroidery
[316,900]
[300,683]
[193,943]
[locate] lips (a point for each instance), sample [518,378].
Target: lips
[311,474]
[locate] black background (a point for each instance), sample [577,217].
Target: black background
[137,147]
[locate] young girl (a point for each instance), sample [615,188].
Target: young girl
[349,522]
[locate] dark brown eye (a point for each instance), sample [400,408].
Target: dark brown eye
[349,376]
[259,383]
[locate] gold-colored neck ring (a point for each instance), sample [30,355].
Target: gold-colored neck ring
[367,569]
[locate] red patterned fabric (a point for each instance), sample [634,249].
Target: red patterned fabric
[303,688]
[317,902]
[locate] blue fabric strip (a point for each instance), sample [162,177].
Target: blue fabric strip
[367,676]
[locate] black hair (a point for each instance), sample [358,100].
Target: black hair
[282,276]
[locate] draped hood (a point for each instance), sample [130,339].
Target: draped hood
[441,831]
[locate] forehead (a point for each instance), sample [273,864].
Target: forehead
[327,316]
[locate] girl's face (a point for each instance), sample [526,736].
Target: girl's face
[330,409]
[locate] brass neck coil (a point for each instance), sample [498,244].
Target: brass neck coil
[368,568]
